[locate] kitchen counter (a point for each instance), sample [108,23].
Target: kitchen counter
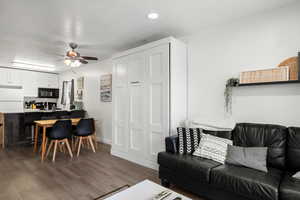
[19,126]
[46,111]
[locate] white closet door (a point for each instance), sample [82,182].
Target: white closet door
[157,64]
[137,105]
[120,108]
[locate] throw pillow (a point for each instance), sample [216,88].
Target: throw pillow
[251,157]
[189,139]
[212,147]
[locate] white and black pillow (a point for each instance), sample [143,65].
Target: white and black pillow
[212,147]
[189,139]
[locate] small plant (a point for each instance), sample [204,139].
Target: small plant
[232,82]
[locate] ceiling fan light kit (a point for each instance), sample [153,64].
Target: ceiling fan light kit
[73,58]
[72,63]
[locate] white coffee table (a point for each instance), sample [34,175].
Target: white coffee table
[144,190]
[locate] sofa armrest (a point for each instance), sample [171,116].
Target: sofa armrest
[172,144]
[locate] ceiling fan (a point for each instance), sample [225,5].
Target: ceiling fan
[74,59]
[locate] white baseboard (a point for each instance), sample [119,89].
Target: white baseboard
[140,161]
[104,140]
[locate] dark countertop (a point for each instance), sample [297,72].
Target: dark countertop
[40,111]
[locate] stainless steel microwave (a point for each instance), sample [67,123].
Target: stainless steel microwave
[48,93]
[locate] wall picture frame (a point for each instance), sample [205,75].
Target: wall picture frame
[106,88]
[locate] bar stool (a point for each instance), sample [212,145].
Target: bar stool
[60,133]
[84,131]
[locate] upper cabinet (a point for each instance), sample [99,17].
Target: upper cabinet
[30,81]
[10,77]
[46,80]
[34,80]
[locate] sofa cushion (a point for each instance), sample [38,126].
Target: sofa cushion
[194,167]
[263,135]
[247,182]
[293,149]
[289,188]
[221,134]
[252,157]
[212,147]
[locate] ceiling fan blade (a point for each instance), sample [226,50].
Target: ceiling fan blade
[83,61]
[89,58]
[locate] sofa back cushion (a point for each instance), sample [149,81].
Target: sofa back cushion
[293,150]
[263,135]
[221,134]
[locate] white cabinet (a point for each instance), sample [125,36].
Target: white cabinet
[147,106]
[30,83]
[10,77]
[47,80]
[34,80]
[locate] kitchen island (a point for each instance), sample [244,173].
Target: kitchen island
[19,127]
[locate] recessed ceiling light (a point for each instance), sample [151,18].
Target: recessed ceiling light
[153,15]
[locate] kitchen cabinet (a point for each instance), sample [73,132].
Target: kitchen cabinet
[34,80]
[149,99]
[30,84]
[29,81]
[14,131]
[47,80]
[10,77]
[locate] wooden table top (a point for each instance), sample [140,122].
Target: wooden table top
[50,122]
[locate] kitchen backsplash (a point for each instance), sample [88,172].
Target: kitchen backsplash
[36,99]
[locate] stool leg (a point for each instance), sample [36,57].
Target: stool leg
[55,148]
[49,148]
[69,148]
[91,143]
[36,130]
[79,146]
[95,140]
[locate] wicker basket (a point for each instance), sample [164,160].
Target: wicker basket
[292,63]
[266,75]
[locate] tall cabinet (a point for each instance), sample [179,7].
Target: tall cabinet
[149,99]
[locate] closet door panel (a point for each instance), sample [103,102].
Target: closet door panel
[120,105]
[136,82]
[157,62]
[121,117]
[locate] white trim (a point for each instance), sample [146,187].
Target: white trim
[144,47]
[104,140]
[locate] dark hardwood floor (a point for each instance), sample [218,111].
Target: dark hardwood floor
[24,177]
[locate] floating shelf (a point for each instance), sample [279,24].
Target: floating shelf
[269,83]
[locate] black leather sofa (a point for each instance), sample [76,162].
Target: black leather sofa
[212,180]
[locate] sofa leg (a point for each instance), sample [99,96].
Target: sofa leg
[165,183]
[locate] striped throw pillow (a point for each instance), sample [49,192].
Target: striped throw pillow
[213,148]
[189,139]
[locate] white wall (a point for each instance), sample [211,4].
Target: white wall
[100,111]
[259,42]
[219,53]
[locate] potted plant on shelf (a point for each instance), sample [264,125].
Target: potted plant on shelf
[230,83]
